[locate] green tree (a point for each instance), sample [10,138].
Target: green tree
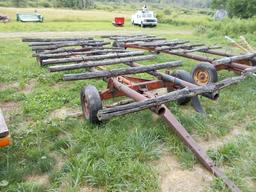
[19,3]
[77,4]
[241,8]
[217,4]
[237,8]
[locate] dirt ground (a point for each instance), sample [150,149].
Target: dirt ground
[81,33]
[173,178]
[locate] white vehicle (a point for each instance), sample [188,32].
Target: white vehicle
[144,18]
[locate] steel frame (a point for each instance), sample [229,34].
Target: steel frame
[139,90]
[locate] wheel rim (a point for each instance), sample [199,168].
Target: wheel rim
[85,107]
[201,77]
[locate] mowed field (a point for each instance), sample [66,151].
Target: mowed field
[55,149]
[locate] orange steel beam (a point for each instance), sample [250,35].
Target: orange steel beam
[149,85]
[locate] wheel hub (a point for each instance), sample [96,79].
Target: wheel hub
[201,77]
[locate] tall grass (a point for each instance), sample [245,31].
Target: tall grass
[235,26]
[232,27]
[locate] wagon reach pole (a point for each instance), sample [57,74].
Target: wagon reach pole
[178,128]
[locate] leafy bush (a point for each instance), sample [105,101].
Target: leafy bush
[241,8]
[167,12]
[234,26]
[45,4]
[237,8]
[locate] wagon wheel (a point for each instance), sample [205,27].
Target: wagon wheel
[186,76]
[204,73]
[91,103]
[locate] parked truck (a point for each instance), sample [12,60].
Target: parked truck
[144,18]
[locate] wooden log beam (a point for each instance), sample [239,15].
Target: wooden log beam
[197,49]
[68,54]
[62,50]
[122,71]
[54,39]
[116,37]
[164,48]
[227,60]
[154,45]
[219,53]
[191,56]
[89,64]
[250,70]
[166,77]
[35,44]
[163,43]
[140,39]
[172,96]
[71,43]
[130,37]
[79,43]
[120,36]
[91,58]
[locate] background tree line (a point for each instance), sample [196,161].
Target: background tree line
[235,8]
[85,4]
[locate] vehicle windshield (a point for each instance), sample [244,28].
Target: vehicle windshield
[147,15]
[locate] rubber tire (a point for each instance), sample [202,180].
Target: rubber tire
[213,75]
[186,76]
[90,95]
[254,62]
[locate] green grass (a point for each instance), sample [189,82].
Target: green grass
[73,20]
[117,155]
